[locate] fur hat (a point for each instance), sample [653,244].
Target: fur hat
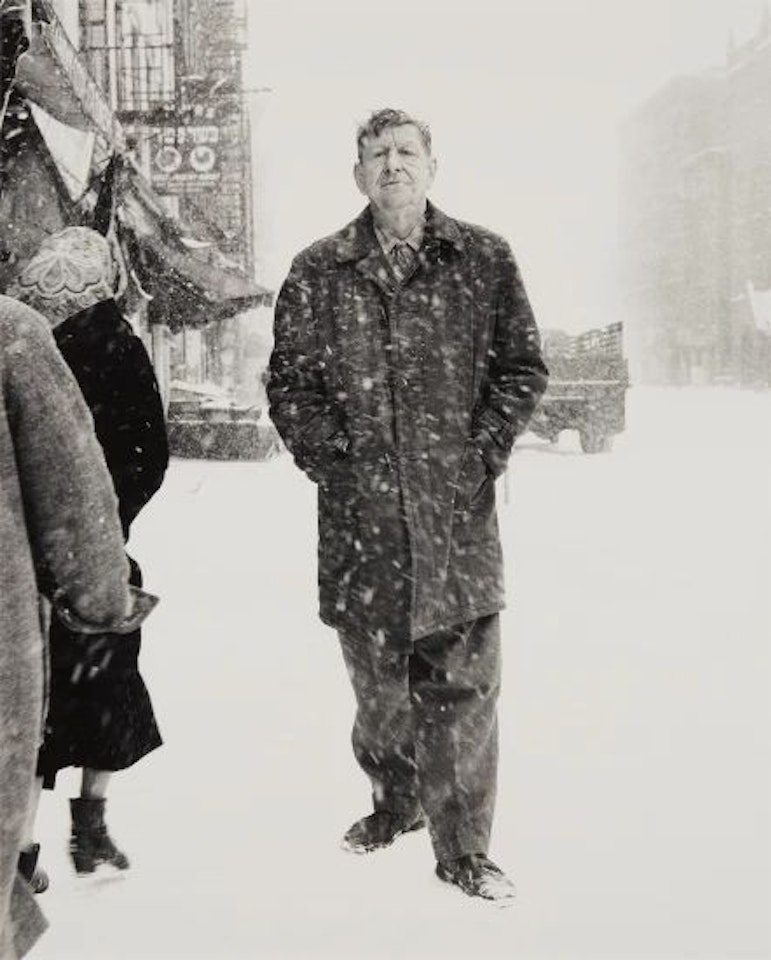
[72,270]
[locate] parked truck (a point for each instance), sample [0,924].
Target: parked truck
[205,423]
[587,387]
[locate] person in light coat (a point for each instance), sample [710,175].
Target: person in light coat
[60,531]
[100,716]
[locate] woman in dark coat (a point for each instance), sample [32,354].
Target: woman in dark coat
[100,717]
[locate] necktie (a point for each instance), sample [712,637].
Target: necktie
[403,258]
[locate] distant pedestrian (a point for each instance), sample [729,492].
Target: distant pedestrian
[100,717]
[59,527]
[406,363]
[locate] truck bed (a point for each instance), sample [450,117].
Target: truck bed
[587,387]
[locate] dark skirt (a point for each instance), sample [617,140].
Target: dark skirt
[99,712]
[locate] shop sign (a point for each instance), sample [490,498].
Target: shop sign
[185,159]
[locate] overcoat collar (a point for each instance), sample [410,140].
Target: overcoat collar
[96,322]
[358,239]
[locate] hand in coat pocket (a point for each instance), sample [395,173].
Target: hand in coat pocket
[473,475]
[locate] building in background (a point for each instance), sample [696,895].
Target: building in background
[696,224]
[112,117]
[173,72]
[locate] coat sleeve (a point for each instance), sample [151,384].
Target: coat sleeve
[517,375]
[69,503]
[307,418]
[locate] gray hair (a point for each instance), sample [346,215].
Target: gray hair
[381,120]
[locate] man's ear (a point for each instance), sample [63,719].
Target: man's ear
[432,170]
[358,176]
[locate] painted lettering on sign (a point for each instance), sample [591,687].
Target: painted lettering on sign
[186,158]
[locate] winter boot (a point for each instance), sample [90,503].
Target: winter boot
[477,876]
[90,843]
[379,830]
[36,878]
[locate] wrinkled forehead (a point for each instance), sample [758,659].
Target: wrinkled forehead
[403,134]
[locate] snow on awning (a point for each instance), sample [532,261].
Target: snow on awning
[188,288]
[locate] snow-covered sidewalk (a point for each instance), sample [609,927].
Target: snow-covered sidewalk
[634,794]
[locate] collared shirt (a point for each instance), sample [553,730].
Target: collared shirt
[389,240]
[395,248]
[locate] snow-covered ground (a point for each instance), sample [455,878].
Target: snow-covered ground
[634,804]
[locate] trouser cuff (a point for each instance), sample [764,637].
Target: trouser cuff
[459,844]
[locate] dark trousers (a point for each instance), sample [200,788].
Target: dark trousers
[426,731]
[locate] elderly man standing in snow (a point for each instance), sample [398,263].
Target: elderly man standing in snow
[406,363]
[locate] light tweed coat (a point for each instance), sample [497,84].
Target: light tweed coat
[59,527]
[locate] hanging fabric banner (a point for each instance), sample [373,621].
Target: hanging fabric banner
[51,74]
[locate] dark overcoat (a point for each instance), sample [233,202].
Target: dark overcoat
[118,383]
[100,714]
[403,401]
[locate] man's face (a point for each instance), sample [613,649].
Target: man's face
[395,170]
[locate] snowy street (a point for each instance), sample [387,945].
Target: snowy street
[634,802]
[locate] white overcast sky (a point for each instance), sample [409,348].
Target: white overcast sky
[524,98]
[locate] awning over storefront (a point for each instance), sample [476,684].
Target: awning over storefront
[33,202]
[51,74]
[189,288]
[71,149]
[188,282]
